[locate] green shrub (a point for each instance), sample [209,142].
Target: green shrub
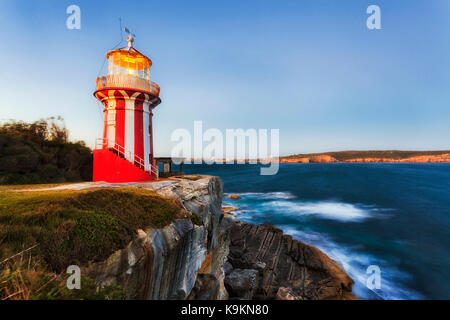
[40,152]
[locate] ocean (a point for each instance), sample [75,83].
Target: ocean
[394,216]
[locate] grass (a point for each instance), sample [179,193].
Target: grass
[71,227]
[74,227]
[17,187]
[18,282]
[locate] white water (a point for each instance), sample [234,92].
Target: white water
[258,207]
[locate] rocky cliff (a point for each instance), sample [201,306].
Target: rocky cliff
[217,258]
[265,264]
[169,263]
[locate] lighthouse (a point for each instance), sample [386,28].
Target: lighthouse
[125,152]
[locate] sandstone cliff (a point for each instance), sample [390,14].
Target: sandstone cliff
[438,158]
[168,263]
[217,258]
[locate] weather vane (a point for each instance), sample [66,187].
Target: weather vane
[130,36]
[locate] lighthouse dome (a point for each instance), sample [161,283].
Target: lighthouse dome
[129,61]
[128,68]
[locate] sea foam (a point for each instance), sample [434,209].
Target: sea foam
[325,209]
[355,264]
[257,207]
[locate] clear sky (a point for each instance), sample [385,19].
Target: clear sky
[309,68]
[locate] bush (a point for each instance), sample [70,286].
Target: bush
[40,152]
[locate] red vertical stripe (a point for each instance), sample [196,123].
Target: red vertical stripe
[120,119]
[139,127]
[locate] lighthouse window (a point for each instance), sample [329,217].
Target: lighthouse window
[130,64]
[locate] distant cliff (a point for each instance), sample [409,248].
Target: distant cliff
[370,156]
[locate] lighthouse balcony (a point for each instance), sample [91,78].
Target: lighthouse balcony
[127,82]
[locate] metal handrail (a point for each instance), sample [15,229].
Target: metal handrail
[124,152]
[127,81]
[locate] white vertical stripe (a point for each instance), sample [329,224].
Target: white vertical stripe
[129,130]
[111,119]
[146,131]
[129,124]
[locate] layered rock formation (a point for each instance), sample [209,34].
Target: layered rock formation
[216,258]
[181,260]
[265,264]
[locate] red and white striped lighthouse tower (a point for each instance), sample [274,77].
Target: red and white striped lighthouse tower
[125,153]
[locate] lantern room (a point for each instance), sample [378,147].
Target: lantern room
[128,62]
[128,68]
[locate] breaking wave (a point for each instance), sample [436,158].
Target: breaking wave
[287,212]
[287,204]
[327,210]
[355,264]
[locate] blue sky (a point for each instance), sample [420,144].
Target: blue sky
[309,68]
